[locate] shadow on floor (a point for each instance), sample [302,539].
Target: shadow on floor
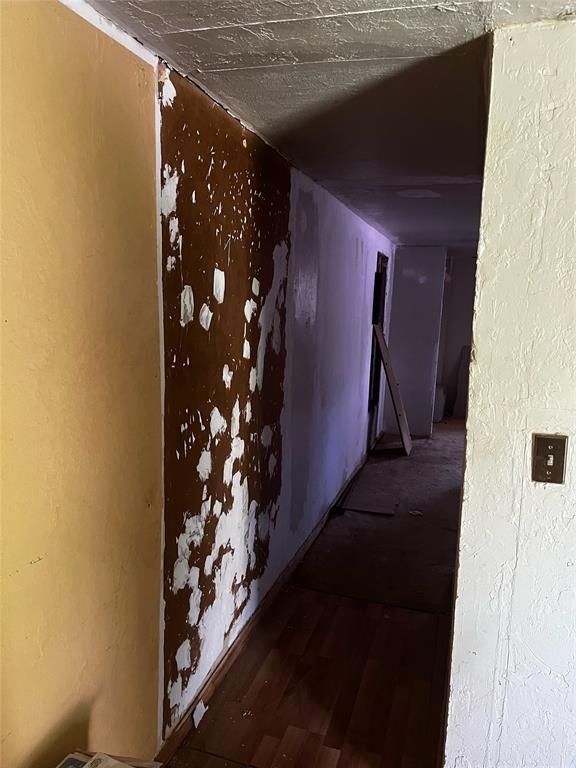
[348,667]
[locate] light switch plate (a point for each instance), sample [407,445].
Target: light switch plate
[548,458]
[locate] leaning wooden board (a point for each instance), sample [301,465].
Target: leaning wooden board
[394,390]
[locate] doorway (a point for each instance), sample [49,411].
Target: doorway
[378,310]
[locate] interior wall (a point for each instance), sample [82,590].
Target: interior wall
[225,210]
[457,313]
[81,426]
[267,309]
[329,334]
[513,679]
[414,334]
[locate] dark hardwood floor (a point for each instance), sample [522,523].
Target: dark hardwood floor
[348,667]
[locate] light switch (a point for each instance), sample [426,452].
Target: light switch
[548,458]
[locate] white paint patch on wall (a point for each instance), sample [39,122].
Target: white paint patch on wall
[173,229]
[236,533]
[205,317]
[227,376]
[204,465]
[219,285]
[168,90]
[235,424]
[195,596]
[169,190]
[186,305]
[249,308]
[217,422]
[183,660]
[513,678]
[191,536]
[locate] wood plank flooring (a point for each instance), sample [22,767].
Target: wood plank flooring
[334,675]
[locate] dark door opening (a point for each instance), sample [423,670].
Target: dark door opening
[378,307]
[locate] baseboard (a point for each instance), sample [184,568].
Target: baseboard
[229,656]
[336,506]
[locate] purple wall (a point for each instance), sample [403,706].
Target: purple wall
[328,342]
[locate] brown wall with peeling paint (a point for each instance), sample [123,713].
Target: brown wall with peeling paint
[225,203]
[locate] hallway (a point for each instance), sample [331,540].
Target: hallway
[213,212]
[347,668]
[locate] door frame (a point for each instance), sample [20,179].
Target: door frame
[375,378]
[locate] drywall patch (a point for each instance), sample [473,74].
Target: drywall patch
[219,285]
[168,90]
[205,317]
[186,305]
[225,210]
[227,376]
[170,180]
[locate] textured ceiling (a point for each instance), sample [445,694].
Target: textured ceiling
[381,101]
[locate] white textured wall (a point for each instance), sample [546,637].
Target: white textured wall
[414,335]
[513,680]
[328,339]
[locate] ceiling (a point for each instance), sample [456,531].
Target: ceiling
[380,101]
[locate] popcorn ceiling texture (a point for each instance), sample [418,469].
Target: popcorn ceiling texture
[321,79]
[513,680]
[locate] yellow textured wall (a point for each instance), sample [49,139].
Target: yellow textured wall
[81,427]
